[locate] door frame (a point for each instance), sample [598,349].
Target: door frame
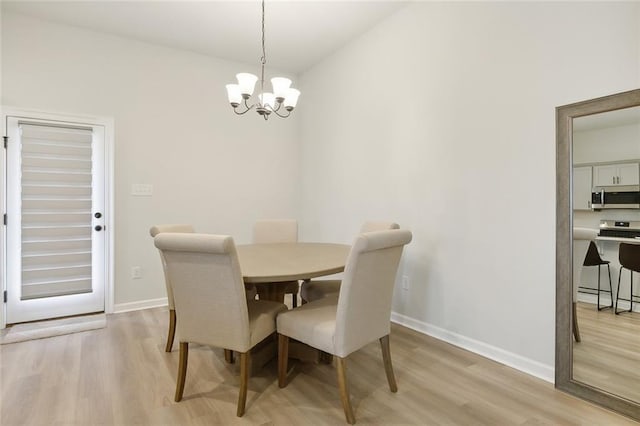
[108,123]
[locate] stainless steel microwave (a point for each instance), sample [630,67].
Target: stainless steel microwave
[615,197]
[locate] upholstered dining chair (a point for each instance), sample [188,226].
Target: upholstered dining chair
[155,230]
[582,237]
[318,289]
[277,231]
[209,297]
[358,316]
[183,228]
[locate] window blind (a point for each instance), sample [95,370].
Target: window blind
[56,197]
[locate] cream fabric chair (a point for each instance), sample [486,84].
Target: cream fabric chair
[209,297]
[183,228]
[318,289]
[155,230]
[358,316]
[582,237]
[277,231]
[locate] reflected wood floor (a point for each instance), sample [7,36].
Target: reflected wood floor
[121,375]
[608,357]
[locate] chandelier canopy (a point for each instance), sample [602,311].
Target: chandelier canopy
[281,101]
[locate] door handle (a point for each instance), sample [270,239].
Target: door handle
[98,215]
[98,228]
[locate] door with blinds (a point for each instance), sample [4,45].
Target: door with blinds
[55,219]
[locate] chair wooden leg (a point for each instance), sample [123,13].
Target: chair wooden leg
[228,356]
[344,390]
[172,330]
[245,360]
[388,367]
[182,370]
[576,330]
[283,359]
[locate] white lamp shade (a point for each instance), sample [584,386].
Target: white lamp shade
[247,82]
[267,99]
[280,86]
[233,93]
[292,98]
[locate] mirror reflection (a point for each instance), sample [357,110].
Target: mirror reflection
[606,220]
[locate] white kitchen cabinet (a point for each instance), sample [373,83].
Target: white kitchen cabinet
[616,174]
[582,188]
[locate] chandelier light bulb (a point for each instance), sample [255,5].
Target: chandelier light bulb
[234,95]
[280,87]
[267,100]
[291,99]
[247,83]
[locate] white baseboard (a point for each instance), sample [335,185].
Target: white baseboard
[526,365]
[605,300]
[136,306]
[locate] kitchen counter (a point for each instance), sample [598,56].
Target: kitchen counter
[619,239]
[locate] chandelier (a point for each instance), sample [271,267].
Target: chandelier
[281,102]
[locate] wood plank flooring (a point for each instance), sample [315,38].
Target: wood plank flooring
[608,357]
[121,375]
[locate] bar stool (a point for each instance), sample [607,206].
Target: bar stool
[629,257]
[593,259]
[581,239]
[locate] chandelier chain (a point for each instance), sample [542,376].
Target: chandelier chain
[263,60]
[264,55]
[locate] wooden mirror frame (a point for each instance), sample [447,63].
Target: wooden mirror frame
[564,247]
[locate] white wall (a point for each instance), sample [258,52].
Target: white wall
[174,130]
[442,118]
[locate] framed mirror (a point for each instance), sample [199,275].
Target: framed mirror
[596,343]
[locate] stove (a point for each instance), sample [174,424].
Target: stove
[620,228]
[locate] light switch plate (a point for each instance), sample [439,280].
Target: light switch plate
[142,190]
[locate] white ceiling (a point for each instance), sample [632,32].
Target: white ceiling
[298,33]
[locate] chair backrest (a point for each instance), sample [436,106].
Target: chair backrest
[275,231]
[629,256]
[364,304]
[208,289]
[378,226]
[157,229]
[582,237]
[592,257]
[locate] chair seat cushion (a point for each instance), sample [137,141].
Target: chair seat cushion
[262,315]
[313,323]
[319,289]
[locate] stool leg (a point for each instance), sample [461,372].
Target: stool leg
[598,287]
[575,328]
[610,286]
[631,292]
[618,291]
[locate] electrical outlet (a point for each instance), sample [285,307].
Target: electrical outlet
[136,272]
[142,189]
[405,282]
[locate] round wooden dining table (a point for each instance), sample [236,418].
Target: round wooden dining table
[281,263]
[278,263]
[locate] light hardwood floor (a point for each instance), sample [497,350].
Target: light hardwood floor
[121,375]
[608,356]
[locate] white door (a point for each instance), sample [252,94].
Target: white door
[55,219]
